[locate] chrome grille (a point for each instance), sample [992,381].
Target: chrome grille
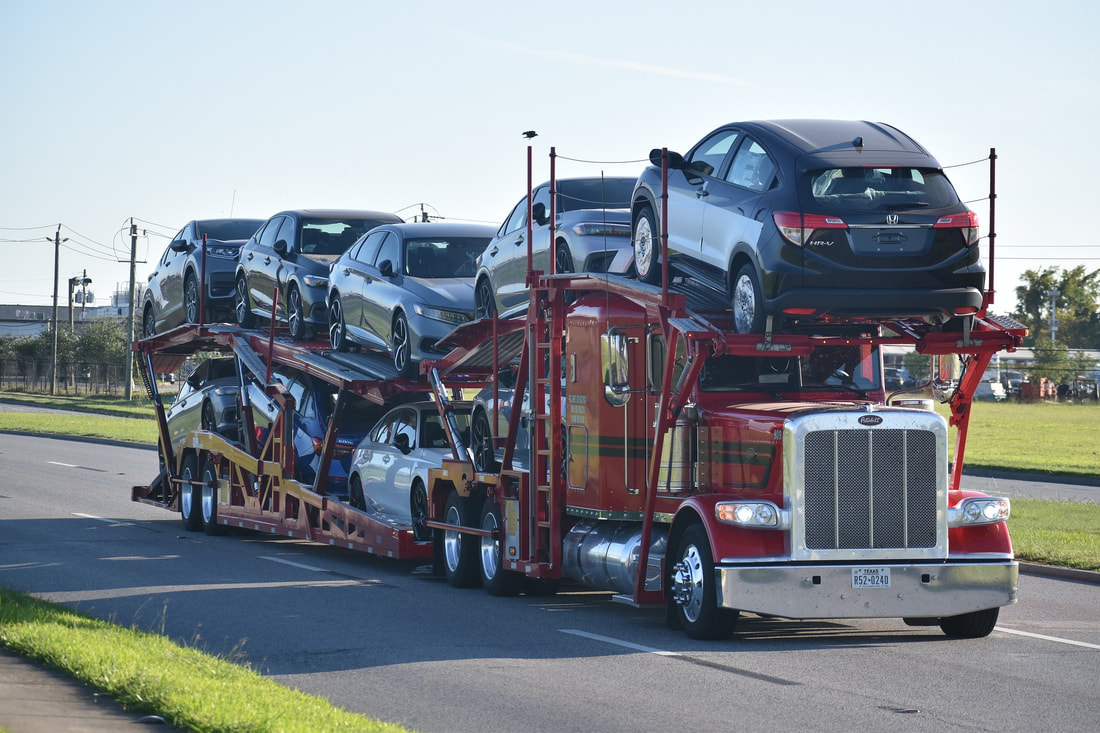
[870,489]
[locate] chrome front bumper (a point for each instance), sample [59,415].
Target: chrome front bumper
[825,591]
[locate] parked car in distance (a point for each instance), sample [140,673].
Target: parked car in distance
[593,235]
[990,391]
[314,406]
[825,220]
[172,295]
[402,287]
[896,378]
[389,469]
[291,254]
[207,400]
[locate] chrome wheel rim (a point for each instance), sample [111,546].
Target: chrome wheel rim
[452,541]
[336,324]
[490,548]
[643,246]
[687,583]
[744,304]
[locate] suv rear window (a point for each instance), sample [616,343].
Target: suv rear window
[880,189]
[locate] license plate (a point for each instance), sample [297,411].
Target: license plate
[870,577]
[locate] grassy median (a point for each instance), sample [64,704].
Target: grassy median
[148,673]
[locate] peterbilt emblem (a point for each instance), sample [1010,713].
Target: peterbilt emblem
[870,420]
[891,219]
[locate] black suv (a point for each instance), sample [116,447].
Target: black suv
[813,220]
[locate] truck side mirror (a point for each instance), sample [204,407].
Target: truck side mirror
[615,365]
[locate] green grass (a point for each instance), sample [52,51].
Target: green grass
[1051,439]
[134,430]
[140,406]
[1066,534]
[148,673]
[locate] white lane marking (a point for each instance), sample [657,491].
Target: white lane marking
[99,519]
[294,564]
[1044,637]
[66,465]
[620,642]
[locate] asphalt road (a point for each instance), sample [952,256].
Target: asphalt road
[384,638]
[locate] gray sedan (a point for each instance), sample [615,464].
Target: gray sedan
[402,287]
[592,235]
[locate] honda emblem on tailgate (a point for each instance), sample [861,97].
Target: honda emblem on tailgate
[870,420]
[891,219]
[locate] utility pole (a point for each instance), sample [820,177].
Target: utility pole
[53,347]
[130,320]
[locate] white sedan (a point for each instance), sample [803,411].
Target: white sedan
[389,469]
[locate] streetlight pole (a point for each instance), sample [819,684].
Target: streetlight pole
[57,240]
[1053,317]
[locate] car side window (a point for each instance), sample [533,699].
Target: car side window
[542,196]
[390,250]
[405,424]
[382,431]
[708,155]
[751,167]
[369,250]
[271,230]
[287,231]
[515,220]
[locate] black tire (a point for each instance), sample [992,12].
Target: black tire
[418,509]
[970,625]
[355,493]
[460,551]
[747,302]
[190,494]
[209,480]
[191,299]
[401,347]
[494,578]
[485,303]
[209,420]
[337,328]
[481,444]
[242,308]
[296,314]
[148,322]
[692,589]
[645,237]
[563,259]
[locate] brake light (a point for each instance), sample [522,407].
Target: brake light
[318,444]
[967,221]
[798,228]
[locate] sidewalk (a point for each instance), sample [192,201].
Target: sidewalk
[34,699]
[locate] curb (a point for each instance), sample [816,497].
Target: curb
[1050,571]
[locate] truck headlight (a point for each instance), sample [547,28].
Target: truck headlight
[751,514]
[439,314]
[979,510]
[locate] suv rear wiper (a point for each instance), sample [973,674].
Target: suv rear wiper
[909,205]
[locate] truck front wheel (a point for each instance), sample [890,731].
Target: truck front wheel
[970,625]
[459,549]
[692,598]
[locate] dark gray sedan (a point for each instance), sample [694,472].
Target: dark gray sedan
[402,287]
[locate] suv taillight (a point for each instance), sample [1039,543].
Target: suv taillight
[967,221]
[797,228]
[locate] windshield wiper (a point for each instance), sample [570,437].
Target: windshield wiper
[910,205]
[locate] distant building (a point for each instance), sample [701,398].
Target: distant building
[32,320]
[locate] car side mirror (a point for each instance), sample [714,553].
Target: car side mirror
[401,442]
[179,245]
[386,268]
[538,213]
[675,160]
[280,247]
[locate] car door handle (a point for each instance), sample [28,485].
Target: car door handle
[385,459]
[493,251]
[250,255]
[267,260]
[347,271]
[519,241]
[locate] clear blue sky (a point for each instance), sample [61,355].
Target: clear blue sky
[173,111]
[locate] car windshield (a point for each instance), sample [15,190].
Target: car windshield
[598,193]
[226,231]
[333,236]
[829,368]
[840,190]
[443,257]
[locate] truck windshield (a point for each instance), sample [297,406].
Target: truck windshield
[849,367]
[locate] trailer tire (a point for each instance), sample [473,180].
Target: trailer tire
[494,578]
[190,495]
[460,563]
[692,589]
[973,625]
[210,498]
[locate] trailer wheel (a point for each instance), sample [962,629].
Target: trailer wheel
[970,625]
[692,589]
[494,578]
[190,495]
[645,236]
[210,498]
[459,550]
